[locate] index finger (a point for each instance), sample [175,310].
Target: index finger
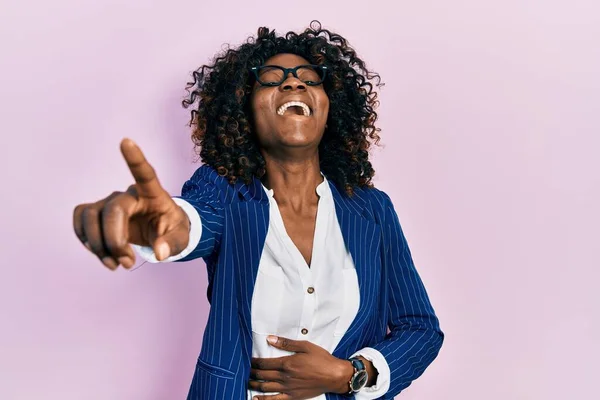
[143,173]
[273,364]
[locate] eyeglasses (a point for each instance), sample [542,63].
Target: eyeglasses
[274,75]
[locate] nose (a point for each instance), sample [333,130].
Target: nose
[292,83]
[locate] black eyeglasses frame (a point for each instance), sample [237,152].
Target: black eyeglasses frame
[287,72]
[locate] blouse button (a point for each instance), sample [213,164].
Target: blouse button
[310,290]
[304,331]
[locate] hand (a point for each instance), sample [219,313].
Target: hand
[309,373]
[145,214]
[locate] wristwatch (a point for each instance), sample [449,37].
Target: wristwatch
[360,378]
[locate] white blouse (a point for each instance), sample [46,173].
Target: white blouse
[291,299]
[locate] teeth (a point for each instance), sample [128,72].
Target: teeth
[281,110]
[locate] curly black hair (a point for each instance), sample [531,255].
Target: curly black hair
[222,123]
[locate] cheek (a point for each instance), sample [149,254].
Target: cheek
[260,116]
[260,107]
[325,106]
[322,97]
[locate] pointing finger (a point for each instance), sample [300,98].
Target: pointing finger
[143,173]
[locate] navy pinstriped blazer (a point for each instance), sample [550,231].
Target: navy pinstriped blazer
[234,227]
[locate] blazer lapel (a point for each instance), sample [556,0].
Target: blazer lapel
[362,238]
[250,220]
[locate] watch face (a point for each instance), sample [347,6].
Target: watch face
[359,380]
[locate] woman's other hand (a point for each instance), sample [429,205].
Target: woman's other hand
[309,373]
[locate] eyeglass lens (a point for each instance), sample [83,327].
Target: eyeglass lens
[275,75]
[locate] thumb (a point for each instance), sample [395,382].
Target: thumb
[161,248]
[170,242]
[297,346]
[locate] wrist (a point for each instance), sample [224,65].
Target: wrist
[186,226]
[343,373]
[185,218]
[371,371]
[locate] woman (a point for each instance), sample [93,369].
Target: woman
[313,291]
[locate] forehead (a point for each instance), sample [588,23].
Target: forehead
[286,60]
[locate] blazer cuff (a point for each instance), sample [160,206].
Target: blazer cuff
[382,385]
[147,253]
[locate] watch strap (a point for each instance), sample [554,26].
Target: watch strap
[359,366]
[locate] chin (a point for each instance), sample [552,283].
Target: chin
[298,140]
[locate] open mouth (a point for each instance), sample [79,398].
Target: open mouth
[294,108]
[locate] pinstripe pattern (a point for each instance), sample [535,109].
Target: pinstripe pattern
[234,226]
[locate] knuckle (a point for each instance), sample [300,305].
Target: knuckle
[115,244]
[111,215]
[281,377]
[287,365]
[132,190]
[110,204]
[149,174]
[78,208]
[89,214]
[113,206]
[77,222]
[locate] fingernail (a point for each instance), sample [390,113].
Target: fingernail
[109,262]
[125,262]
[163,251]
[87,245]
[272,339]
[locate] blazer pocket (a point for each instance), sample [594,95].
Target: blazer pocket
[215,370]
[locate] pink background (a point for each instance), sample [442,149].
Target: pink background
[491,120]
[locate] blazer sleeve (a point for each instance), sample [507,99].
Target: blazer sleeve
[204,196]
[414,338]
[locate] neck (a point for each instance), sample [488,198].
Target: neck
[293,182]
